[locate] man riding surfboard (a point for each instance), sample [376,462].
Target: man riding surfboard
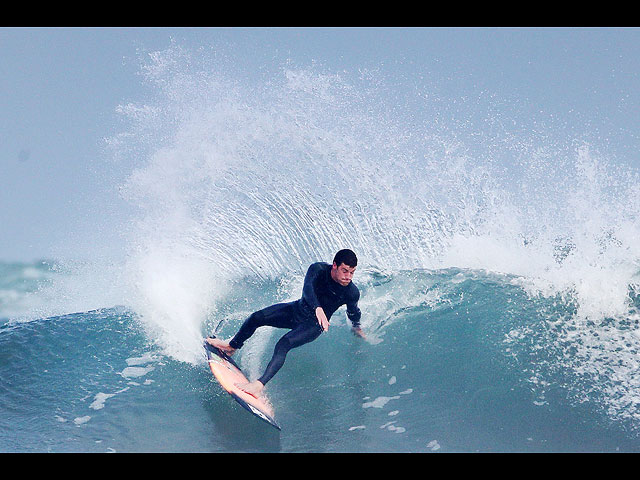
[326,288]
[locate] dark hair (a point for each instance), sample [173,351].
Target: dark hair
[347,257]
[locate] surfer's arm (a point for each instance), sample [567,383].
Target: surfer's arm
[354,314]
[309,294]
[308,291]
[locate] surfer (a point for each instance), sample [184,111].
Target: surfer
[326,288]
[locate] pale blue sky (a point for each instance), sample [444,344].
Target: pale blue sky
[59,88]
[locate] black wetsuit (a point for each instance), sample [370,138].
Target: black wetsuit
[319,290]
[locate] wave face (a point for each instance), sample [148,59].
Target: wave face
[498,271]
[456,361]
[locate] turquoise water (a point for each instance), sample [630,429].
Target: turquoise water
[471,364]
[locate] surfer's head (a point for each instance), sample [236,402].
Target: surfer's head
[344,266]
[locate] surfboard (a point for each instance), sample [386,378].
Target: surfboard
[228,373]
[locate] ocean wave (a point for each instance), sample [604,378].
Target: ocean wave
[445,347]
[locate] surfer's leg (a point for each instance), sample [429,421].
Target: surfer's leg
[301,334]
[280,315]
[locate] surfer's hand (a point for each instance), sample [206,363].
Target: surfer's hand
[322,319]
[357,331]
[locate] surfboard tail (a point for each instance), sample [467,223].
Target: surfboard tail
[228,373]
[258,413]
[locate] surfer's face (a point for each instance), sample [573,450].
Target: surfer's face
[342,274]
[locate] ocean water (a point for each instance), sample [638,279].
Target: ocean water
[498,275]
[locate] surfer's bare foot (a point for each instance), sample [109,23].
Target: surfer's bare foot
[221,344]
[252,388]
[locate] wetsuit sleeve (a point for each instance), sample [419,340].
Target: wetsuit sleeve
[308,292]
[353,312]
